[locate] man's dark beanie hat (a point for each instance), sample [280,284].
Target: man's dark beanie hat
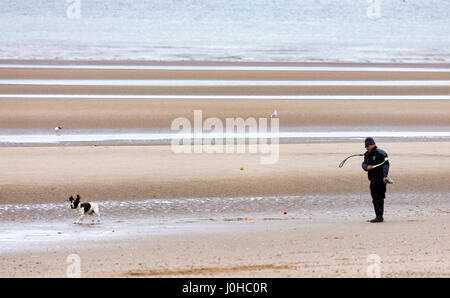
[369,141]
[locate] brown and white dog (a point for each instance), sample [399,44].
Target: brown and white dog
[85,208]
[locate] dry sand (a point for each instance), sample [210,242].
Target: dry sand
[48,174]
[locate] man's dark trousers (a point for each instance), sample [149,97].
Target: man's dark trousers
[378,193]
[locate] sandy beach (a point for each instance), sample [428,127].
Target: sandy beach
[408,247]
[47,113]
[151,229]
[48,174]
[159,114]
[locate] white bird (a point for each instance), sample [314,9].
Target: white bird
[58,128]
[274,114]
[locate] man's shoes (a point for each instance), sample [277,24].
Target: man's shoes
[377,219]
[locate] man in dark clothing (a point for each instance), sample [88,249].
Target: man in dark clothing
[376,164]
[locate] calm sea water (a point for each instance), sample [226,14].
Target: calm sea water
[227,30]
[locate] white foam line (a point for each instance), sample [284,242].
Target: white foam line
[222,83]
[293,97]
[133,137]
[234,68]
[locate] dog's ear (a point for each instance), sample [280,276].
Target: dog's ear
[71,198]
[78,196]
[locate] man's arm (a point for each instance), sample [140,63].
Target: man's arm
[364,164]
[385,166]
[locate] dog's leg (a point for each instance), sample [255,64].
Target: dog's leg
[80,219]
[97,211]
[92,215]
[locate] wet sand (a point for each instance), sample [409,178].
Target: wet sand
[159,114]
[413,246]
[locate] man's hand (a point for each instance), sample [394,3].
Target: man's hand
[369,168]
[385,179]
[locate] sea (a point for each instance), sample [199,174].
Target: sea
[391,31]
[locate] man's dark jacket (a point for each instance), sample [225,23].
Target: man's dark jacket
[374,157]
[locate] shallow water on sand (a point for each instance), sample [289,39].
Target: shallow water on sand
[9,137]
[215,207]
[35,226]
